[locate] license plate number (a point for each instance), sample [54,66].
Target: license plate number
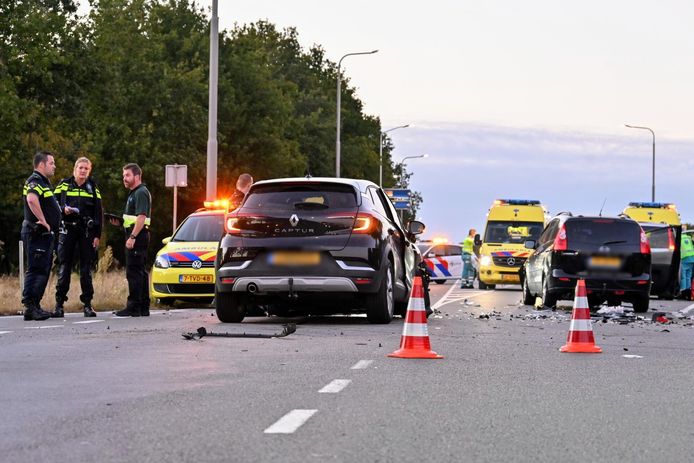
[196,279]
[510,277]
[294,258]
[605,262]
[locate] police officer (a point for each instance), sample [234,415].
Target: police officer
[136,221]
[41,221]
[80,201]
[243,184]
[468,276]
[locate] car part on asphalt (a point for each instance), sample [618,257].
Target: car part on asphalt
[287,329]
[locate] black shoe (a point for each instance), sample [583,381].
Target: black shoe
[58,312]
[127,312]
[89,311]
[35,313]
[144,312]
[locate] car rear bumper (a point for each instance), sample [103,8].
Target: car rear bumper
[619,286]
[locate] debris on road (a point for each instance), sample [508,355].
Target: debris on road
[202,332]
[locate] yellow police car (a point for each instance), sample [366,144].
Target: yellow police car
[653,213]
[184,267]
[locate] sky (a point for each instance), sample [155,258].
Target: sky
[515,99]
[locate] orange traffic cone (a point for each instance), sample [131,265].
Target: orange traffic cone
[414,343]
[580,338]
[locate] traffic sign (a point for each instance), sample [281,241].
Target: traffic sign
[399,197]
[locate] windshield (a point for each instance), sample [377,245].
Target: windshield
[200,228]
[319,197]
[510,232]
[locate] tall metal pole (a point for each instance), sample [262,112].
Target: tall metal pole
[653,165]
[211,192]
[380,152]
[339,107]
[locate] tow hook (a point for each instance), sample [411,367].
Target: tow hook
[292,293]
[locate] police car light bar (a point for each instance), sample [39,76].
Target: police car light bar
[516,202]
[653,205]
[217,204]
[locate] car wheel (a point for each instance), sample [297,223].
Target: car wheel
[528,298]
[167,301]
[491,286]
[381,306]
[482,285]
[548,299]
[439,282]
[641,304]
[229,307]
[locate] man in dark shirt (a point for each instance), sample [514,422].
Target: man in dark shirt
[136,220]
[243,184]
[41,221]
[80,201]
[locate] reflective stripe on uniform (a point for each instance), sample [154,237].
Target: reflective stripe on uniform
[129,221]
[82,193]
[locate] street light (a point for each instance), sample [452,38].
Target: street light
[211,186]
[339,104]
[380,152]
[652,133]
[402,163]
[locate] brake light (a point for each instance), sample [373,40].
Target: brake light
[645,246]
[670,239]
[560,242]
[364,223]
[231,224]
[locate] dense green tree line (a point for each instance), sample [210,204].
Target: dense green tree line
[129,83]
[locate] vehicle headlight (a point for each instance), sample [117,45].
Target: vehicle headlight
[162,262]
[486,260]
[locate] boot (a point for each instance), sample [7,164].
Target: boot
[34,312]
[144,312]
[89,310]
[128,311]
[58,312]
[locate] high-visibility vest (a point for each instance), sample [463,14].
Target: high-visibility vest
[468,243]
[687,248]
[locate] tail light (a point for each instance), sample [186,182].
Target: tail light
[645,246]
[560,242]
[364,223]
[670,239]
[231,224]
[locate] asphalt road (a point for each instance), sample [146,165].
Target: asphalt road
[133,390]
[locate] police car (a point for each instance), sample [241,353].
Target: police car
[443,260]
[184,267]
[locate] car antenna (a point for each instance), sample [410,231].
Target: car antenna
[603,207]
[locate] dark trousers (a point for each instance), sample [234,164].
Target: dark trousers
[39,252]
[74,240]
[136,273]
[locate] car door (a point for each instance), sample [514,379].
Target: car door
[454,258]
[536,260]
[436,262]
[665,259]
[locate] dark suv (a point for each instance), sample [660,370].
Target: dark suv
[315,245]
[611,254]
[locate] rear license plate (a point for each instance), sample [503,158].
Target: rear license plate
[605,262]
[196,278]
[294,258]
[510,278]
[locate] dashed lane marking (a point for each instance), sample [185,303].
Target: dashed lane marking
[45,327]
[85,322]
[362,364]
[687,309]
[5,332]
[335,386]
[290,422]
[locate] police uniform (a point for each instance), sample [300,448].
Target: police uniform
[77,233]
[139,202]
[39,243]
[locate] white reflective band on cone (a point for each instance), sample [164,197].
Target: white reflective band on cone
[580,325]
[415,329]
[416,304]
[581,302]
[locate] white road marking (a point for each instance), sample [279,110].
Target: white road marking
[86,322]
[627,356]
[290,422]
[5,332]
[687,309]
[42,327]
[462,295]
[362,364]
[335,386]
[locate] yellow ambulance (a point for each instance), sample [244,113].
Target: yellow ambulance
[510,223]
[653,213]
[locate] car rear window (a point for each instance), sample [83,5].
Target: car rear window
[602,232]
[201,228]
[658,237]
[301,197]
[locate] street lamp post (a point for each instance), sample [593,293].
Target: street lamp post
[211,191]
[339,104]
[380,152]
[402,172]
[653,168]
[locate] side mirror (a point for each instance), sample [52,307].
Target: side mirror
[478,240]
[431,254]
[415,227]
[530,244]
[166,240]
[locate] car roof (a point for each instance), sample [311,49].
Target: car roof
[596,217]
[360,185]
[201,212]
